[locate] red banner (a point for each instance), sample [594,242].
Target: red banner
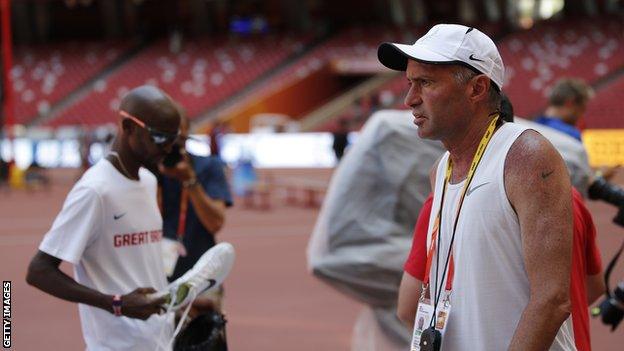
[7,60]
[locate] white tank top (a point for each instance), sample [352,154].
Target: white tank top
[490,285]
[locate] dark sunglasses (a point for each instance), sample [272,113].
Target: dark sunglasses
[157,136]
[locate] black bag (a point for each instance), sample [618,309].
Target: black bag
[204,333]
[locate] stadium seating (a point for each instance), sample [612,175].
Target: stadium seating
[536,58]
[606,110]
[207,72]
[42,75]
[355,42]
[202,74]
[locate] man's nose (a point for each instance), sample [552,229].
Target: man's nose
[412,98]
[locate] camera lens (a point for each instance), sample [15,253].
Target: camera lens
[600,189]
[611,309]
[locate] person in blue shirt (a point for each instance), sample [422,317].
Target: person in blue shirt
[194,196]
[567,103]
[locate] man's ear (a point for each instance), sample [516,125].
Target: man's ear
[127,126]
[480,88]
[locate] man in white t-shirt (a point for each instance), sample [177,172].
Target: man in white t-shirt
[500,230]
[110,229]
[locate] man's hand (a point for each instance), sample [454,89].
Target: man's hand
[138,304]
[182,171]
[44,274]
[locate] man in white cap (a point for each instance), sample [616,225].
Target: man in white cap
[501,223]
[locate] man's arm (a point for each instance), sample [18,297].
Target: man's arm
[538,187]
[44,274]
[210,212]
[415,267]
[595,287]
[409,294]
[411,287]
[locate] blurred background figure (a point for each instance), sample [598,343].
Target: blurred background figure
[341,139]
[217,132]
[567,103]
[36,177]
[4,175]
[244,177]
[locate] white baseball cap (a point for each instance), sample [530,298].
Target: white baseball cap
[448,44]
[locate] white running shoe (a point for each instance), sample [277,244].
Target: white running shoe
[207,273]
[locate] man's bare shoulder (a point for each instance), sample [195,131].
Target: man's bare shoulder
[533,165]
[530,152]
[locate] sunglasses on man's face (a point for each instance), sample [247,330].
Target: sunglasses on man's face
[157,136]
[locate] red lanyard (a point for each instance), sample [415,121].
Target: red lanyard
[182,219]
[430,252]
[436,225]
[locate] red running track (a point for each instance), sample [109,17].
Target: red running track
[272,302]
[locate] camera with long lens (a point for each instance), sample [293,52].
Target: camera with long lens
[611,310]
[600,189]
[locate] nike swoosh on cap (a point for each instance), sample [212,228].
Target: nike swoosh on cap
[116,217]
[474,58]
[469,191]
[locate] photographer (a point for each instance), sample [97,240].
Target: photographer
[194,195]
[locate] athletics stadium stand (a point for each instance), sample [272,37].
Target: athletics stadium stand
[606,110]
[204,73]
[535,59]
[44,74]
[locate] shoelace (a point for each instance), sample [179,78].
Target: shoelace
[205,269]
[172,297]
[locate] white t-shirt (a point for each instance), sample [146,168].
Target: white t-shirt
[490,284]
[110,229]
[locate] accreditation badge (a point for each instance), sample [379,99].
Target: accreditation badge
[442,313]
[424,313]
